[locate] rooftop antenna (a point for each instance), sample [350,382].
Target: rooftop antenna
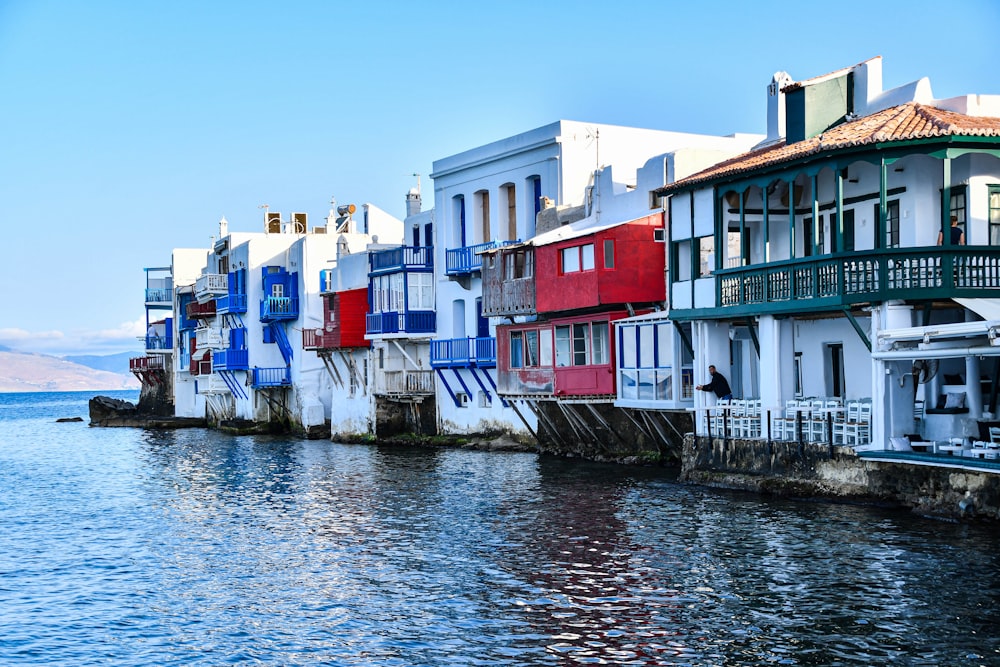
[418,183]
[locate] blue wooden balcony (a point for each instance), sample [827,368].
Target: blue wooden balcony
[279,308]
[231,303]
[160,342]
[464,353]
[461,261]
[408,322]
[403,258]
[843,279]
[280,376]
[231,360]
[159,296]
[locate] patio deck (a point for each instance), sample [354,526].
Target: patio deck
[936,460]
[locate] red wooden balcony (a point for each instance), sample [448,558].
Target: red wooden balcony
[200,311]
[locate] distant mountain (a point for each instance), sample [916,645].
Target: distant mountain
[113,363]
[40,372]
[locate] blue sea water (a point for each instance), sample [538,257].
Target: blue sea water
[191,547]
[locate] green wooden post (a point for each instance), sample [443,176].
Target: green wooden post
[838,230]
[791,219]
[947,258]
[744,246]
[817,246]
[767,226]
[882,209]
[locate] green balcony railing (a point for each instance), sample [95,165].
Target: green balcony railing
[861,277]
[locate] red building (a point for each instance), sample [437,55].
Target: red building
[343,322]
[576,280]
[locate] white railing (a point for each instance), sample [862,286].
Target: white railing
[212,283]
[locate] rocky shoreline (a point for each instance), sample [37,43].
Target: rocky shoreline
[114,412]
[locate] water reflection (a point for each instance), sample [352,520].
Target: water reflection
[194,547]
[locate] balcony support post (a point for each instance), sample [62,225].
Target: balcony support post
[791,218]
[817,244]
[753,336]
[447,386]
[767,225]
[857,327]
[838,231]
[879,242]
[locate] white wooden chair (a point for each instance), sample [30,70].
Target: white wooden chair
[853,415]
[858,432]
[718,418]
[995,435]
[783,426]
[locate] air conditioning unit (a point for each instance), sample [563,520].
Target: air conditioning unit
[272,223]
[299,223]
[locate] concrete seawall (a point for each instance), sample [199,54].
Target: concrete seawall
[837,473]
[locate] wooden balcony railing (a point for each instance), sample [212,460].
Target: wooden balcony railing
[467,259]
[410,321]
[150,363]
[401,259]
[279,308]
[464,352]
[195,310]
[212,283]
[408,383]
[272,377]
[509,297]
[862,277]
[231,360]
[231,303]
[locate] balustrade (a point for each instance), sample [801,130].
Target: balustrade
[878,275]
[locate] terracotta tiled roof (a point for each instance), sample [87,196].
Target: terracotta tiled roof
[902,123]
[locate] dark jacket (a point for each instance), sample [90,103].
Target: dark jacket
[719,384]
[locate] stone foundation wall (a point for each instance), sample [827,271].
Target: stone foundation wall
[790,469]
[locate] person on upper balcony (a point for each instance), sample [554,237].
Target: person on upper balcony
[957,235]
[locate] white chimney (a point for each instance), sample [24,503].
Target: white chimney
[776,106]
[413,202]
[223,227]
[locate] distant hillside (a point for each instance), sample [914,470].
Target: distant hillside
[113,363]
[39,372]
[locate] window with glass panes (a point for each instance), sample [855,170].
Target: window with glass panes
[994,215]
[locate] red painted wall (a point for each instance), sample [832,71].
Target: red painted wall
[344,319]
[637,276]
[565,381]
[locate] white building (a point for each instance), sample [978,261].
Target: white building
[490,196]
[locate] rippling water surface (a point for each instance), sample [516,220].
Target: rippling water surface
[132,547]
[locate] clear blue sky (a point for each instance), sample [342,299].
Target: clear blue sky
[129,128]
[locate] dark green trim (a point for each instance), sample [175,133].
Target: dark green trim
[753,336]
[684,337]
[838,196]
[857,327]
[856,199]
[880,223]
[946,202]
[937,147]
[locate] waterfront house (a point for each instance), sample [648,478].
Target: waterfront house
[561,290]
[339,341]
[811,265]
[490,200]
[255,295]
[400,323]
[155,368]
